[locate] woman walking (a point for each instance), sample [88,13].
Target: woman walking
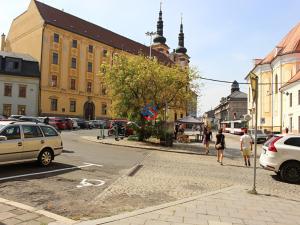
[206,139]
[220,146]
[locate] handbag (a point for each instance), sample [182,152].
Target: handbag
[219,146]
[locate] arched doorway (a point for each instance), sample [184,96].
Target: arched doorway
[89,110]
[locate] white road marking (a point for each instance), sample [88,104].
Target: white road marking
[90,182]
[52,171]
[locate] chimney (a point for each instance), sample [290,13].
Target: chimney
[256,61]
[2,42]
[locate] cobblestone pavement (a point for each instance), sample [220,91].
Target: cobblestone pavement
[230,206]
[12,213]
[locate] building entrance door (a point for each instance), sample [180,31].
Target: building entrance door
[89,111]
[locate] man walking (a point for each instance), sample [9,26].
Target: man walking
[246,147]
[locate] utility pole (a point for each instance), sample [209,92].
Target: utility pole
[150,34]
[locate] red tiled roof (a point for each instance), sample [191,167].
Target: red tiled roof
[79,26]
[289,44]
[295,78]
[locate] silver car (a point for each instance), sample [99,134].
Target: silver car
[261,136]
[27,141]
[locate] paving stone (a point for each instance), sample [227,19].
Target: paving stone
[157,222]
[31,222]
[5,208]
[18,211]
[218,223]
[177,219]
[44,219]
[27,216]
[6,215]
[11,221]
[230,219]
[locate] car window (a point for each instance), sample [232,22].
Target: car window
[49,132]
[11,132]
[31,131]
[294,141]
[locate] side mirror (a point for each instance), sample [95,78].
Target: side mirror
[3,138]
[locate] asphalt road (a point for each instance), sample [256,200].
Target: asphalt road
[74,179]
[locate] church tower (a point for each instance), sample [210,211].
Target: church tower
[159,41]
[180,56]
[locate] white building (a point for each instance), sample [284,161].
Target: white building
[19,84]
[291,104]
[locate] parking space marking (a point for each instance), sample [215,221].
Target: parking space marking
[51,171]
[90,182]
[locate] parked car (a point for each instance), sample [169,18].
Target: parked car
[2,117]
[281,154]
[261,136]
[121,123]
[26,141]
[57,122]
[30,119]
[74,122]
[83,124]
[69,124]
[15,116]
[98,123]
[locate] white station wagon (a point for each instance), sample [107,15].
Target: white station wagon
[27,141]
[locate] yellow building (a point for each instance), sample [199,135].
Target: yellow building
[279,66]
[70,52]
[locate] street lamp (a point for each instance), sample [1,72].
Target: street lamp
[150,34]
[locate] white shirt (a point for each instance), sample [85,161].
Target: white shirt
[246,141]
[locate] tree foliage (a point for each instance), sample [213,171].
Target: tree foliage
[135,81]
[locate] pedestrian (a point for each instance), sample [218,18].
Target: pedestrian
[246,147]
[46,120]
[220,146]
[286,130]
[207,137]
[176,130]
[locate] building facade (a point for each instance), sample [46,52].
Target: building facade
[291,104]
[232,107]
[70,52]
[274,71]
[19,84]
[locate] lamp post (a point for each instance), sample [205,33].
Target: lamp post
[150,34]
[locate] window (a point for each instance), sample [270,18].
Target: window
[72,106]
[91,48]
[53,81]
[104,53]
[291,99]
[22,91]
[73,64]
[7,90]
[276,84]
[104,109]
[89,87]
[53,104]
[291,124]
[103,90]
[73,84]
[49,132]
[32,131]
[294,141]
[13,65]
[11,133]
[74,44]
[181,115]
[56,38]
[175,116]
[22,110]
[55,58]
[6,110]
[90,67]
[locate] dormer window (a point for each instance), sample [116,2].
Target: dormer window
[13,65]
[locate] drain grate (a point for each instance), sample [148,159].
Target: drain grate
[135,170]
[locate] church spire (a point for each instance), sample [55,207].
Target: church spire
[181,48]
[160,29]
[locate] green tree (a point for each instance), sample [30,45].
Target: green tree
[135,81]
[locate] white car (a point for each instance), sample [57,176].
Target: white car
[27,141]
[281,154]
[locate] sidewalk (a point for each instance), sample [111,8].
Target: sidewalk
[190,148]
[16,213]
[229,206]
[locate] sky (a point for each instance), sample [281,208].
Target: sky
[221,36]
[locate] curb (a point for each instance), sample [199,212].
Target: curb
[59,219]
[152,208]
[144,147]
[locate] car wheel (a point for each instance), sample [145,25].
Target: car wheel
[290,172]
[45,157]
